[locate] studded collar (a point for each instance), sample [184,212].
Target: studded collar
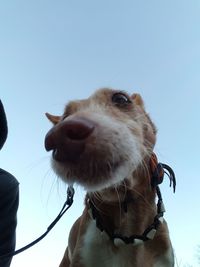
[157,171]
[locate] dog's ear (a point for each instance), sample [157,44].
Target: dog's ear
[54,119]
[137,99]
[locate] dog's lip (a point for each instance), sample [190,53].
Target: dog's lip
[62,155]
[103,169]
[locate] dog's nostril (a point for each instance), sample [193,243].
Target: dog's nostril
[78,129]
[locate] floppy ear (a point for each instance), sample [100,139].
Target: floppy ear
[52,118]
[137,99]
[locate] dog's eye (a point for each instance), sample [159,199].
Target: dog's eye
[120,99]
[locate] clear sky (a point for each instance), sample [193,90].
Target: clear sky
[54,51]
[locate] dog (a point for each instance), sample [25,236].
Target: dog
[105,144]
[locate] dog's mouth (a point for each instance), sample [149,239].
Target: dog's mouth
[89,172]
[73,153]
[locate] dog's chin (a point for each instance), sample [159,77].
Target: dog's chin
[99,180]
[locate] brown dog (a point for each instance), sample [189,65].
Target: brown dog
[105,143]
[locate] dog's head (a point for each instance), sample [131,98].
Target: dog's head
[102,140]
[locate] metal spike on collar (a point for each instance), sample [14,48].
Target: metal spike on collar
[162,207]
[161,219]
[151,234]
[138,242]
[118,242]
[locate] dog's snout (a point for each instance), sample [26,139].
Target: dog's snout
[67,139]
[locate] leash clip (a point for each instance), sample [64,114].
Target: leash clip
[70,195]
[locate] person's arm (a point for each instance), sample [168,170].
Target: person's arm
[9,200]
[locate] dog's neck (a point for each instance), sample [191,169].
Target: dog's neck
[129,217]
[125,210]
[128,214]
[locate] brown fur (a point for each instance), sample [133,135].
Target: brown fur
[108,201]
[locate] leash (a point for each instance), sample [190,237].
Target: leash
[68,203]
[158,170]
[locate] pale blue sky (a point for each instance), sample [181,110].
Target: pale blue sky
[54,51]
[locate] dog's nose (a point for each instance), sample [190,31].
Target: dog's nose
[67,139]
